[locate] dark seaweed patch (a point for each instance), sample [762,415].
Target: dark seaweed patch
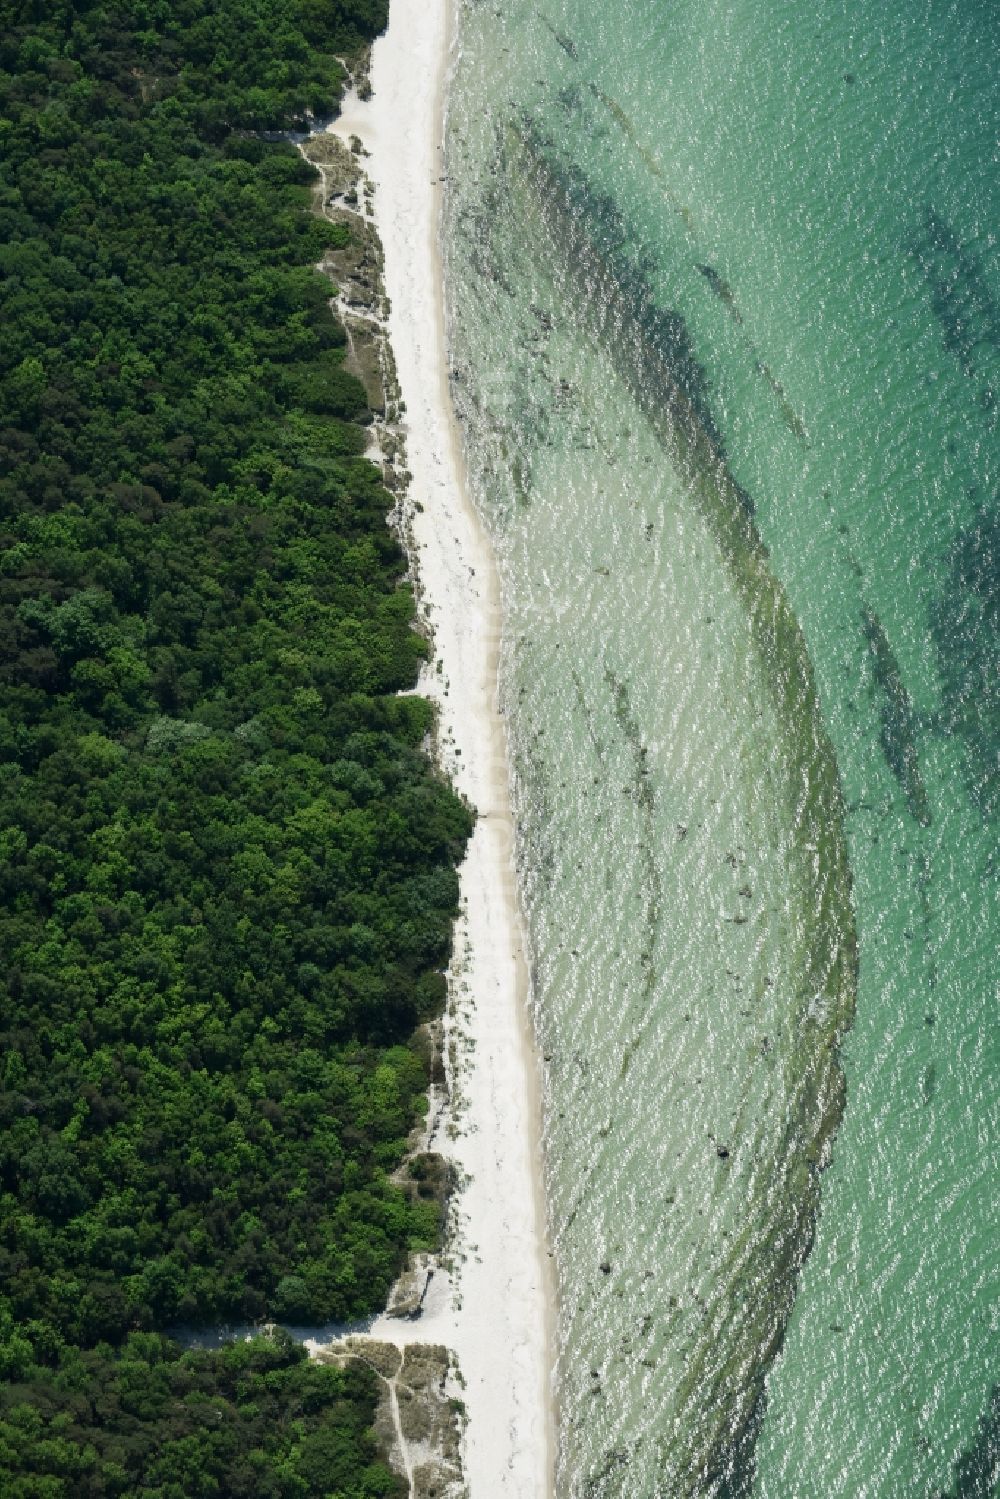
[721,288]
[965,626]
[963,303]
[897,734]
[642,793]
[977,1471]
[565,42]
[666,343]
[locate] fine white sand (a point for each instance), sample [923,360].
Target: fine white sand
[495,1309]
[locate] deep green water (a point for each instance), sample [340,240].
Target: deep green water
[724,301]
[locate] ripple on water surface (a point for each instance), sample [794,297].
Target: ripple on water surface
[696,321]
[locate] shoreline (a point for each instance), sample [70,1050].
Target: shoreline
[495,1306]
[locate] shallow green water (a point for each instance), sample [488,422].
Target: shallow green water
[724,303]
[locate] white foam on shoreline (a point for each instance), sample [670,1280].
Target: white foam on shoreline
[495,1310]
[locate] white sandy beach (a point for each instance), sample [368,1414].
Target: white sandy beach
[496,1311]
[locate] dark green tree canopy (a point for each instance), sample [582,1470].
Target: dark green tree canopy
[228,872]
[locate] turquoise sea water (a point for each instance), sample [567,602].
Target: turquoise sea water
[724,313]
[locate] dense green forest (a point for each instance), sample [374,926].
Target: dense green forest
[228,871]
